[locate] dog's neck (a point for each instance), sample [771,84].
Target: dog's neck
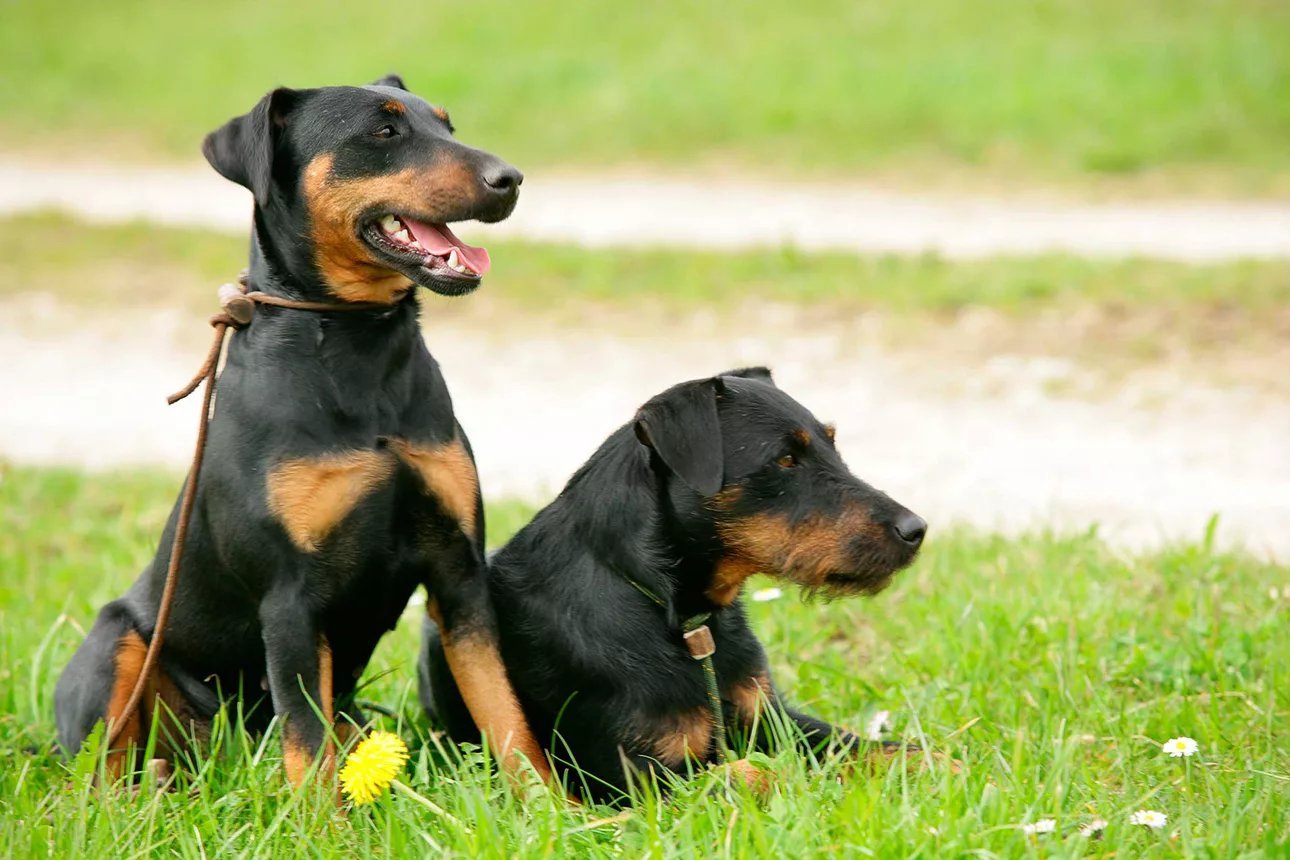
[632,531]
[359,351]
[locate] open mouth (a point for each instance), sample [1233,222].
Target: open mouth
[430,254]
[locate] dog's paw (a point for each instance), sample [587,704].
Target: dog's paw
[757,779]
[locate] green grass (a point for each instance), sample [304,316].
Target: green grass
[1050,667]
[143,264]
[1053,90]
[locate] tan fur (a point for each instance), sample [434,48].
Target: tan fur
[481,676]
[128,660]
[685,736]
[296,756]
[728,578]
[160,697]
[311,496]
[325,692]
[807,552]
[350,269]
[449,475]
[394,106]
[441,113]
[749,696]
[755,778]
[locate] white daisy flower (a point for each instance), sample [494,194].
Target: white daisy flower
[1149,818]
[1181,747]
[762,595]
[1043,825]
[878,725]
[1094,827]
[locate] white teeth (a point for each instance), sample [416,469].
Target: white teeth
[390,224]
[462,269]
[417,245]
[402,236]
[453,262]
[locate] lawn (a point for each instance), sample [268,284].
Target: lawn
[1048,91]
[144,264]
[1050,667]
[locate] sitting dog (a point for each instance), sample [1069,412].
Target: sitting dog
[601,598]
[336,479]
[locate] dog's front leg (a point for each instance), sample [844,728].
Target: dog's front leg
[460,604]
[299,667]
[754,699]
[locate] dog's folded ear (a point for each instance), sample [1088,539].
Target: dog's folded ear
[682,427]
[761,374]
[390,80]
[242,149]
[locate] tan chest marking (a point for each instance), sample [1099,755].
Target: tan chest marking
[311,496]
[448,474]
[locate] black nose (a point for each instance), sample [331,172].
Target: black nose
[503,178]
[910,528]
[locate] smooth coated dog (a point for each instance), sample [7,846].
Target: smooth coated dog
[337,479]
[712,481]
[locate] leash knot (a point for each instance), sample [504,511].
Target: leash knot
[237,308]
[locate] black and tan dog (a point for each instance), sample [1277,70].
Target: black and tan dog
[713,481]
[336,479]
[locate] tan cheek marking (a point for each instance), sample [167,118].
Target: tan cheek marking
[310,497]
[349,268]
[808,552]
[449,475]
[750,696]
[689,735]
[481,677]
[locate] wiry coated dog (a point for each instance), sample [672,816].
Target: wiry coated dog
[714,480]
[336,479]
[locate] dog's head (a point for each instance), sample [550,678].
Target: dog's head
[749,471]
[356,186]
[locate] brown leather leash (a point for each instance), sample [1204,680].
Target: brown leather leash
[237,310]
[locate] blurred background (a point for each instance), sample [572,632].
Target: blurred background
[1030,257]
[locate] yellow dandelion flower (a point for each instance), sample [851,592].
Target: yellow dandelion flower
[372,766]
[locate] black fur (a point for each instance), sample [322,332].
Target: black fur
[252,607]
[601,670]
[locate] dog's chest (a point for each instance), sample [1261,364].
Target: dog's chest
[354,506]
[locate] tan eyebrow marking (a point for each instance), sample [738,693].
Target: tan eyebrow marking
[831,432]
[441,113]
[394,106]
[802,436]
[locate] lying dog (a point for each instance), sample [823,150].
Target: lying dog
[336,478]
[714,480]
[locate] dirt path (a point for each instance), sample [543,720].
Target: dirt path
[661,211]
[983,444]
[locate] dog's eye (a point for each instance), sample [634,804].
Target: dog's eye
[385,132]
[787,461]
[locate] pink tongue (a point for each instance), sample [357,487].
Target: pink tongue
[439,240]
